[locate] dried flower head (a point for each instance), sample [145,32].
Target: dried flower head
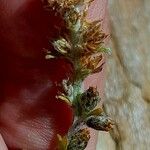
[79,140]
[81,42]
[101,122]
[93,37]
[89,100]
[67,3]
[91,62]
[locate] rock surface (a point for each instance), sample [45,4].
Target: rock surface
[127,96]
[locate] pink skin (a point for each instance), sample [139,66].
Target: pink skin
[2,144]
[97,11]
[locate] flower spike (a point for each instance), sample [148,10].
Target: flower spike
[82,43]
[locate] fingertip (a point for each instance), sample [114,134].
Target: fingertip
[2,144]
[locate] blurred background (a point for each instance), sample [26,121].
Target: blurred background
[127,86]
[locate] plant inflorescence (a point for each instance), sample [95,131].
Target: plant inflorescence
[81,42]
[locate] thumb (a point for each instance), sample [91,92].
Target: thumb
[2,144]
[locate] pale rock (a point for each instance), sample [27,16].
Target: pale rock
[127,88]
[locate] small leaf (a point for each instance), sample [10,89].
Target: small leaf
[62,46]
[95,112]
[64,98]
[98,69]
[105,50]
[62,142]
[48,56]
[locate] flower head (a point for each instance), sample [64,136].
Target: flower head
[91,62]
[89,100]
[101,122]
[93,37]
[79,140]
